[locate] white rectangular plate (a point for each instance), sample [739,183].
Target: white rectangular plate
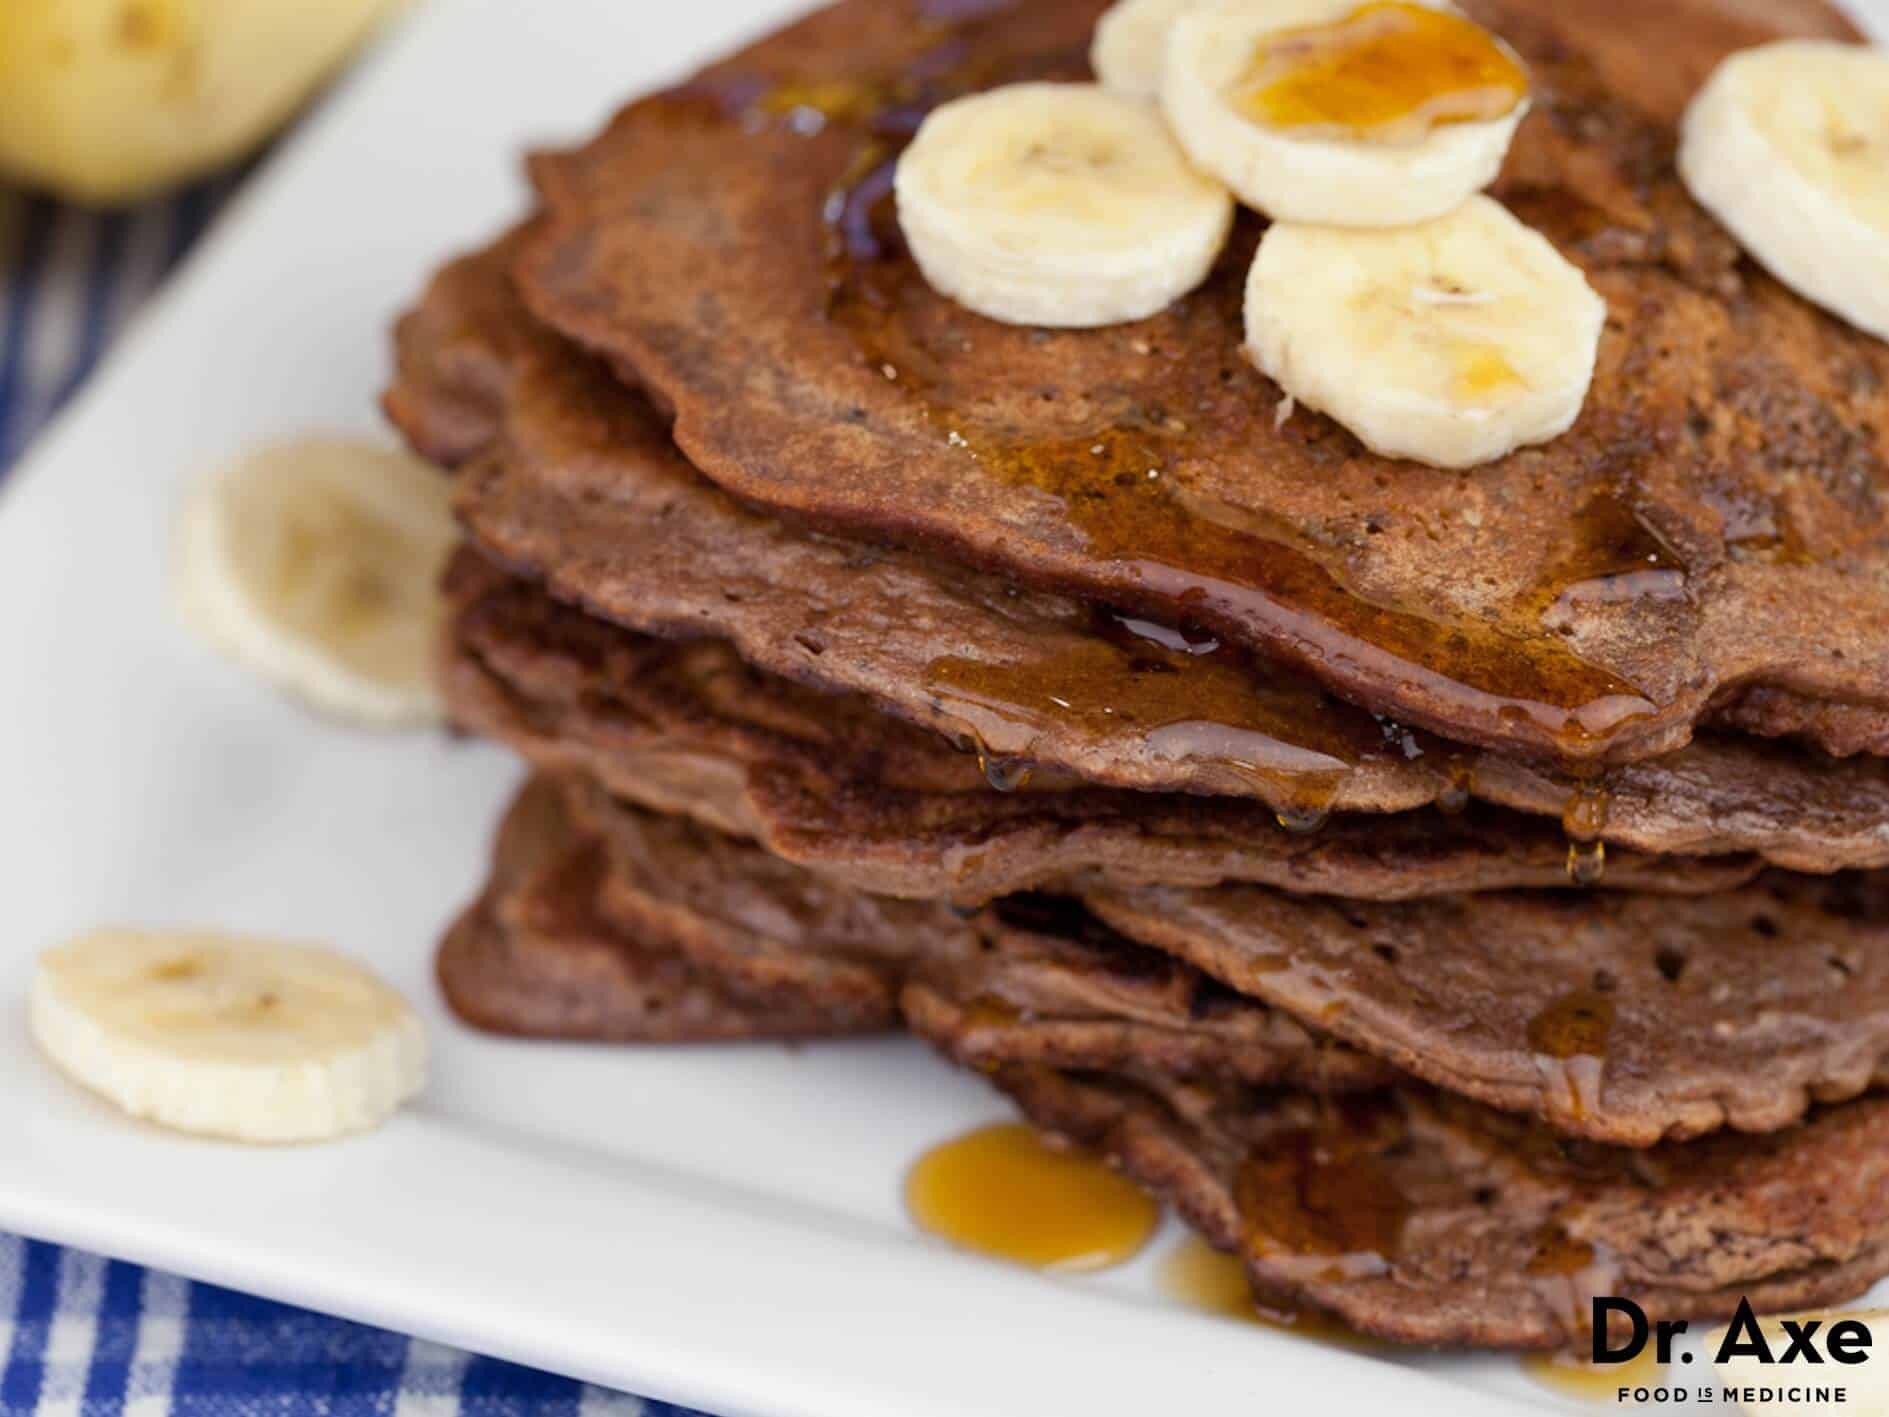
[717,1226]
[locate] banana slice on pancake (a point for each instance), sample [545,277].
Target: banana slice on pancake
[1058,205]
[1131,44]
[1333,112]
[1788,146]
[316,564]
[1451,344]
[249,1039]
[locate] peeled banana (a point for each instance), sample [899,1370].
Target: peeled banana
[106,101]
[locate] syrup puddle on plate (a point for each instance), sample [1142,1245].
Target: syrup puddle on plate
[1203,1278]
[1005,1192]
[1591,1382]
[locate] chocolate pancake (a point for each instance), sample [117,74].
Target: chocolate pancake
[1713,526]
[537,954]
[1411,1214]
[1628,1019]
[644,930]
[1621,1017]
[579,485]
[630,928]
[873,803]
[1050,985]
[1424,1219]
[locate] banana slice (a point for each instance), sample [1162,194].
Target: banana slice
[1060,205]
[1788,146]
[1452,343]
[317,564]
[1385,114]
[1131,44]
[249,1039]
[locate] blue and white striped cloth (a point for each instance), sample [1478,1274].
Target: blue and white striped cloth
[94,1337]
[68,280]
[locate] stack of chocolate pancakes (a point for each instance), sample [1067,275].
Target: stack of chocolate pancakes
[1459,893]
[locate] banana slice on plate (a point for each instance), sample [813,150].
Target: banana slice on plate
[1788,146]
[1131,44]
[317,565]
[1328,111]
[225,1036]
[1450,344]
[1061,205]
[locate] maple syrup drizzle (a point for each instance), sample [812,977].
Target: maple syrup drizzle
[1004,1191]
[1186,550]
[1576,1025]
[1321,1201]
[1758,527]
[1583,820]
[1559,1253]
[1214,564]
[1389,72]
[1570,1273]
[830,101]
[1570,1039]
[1459,780]
[991,1011]
[1005,774]
[1616,556]
[1483,374]
[1588,1381]
[1196,703]
[1203,1278]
